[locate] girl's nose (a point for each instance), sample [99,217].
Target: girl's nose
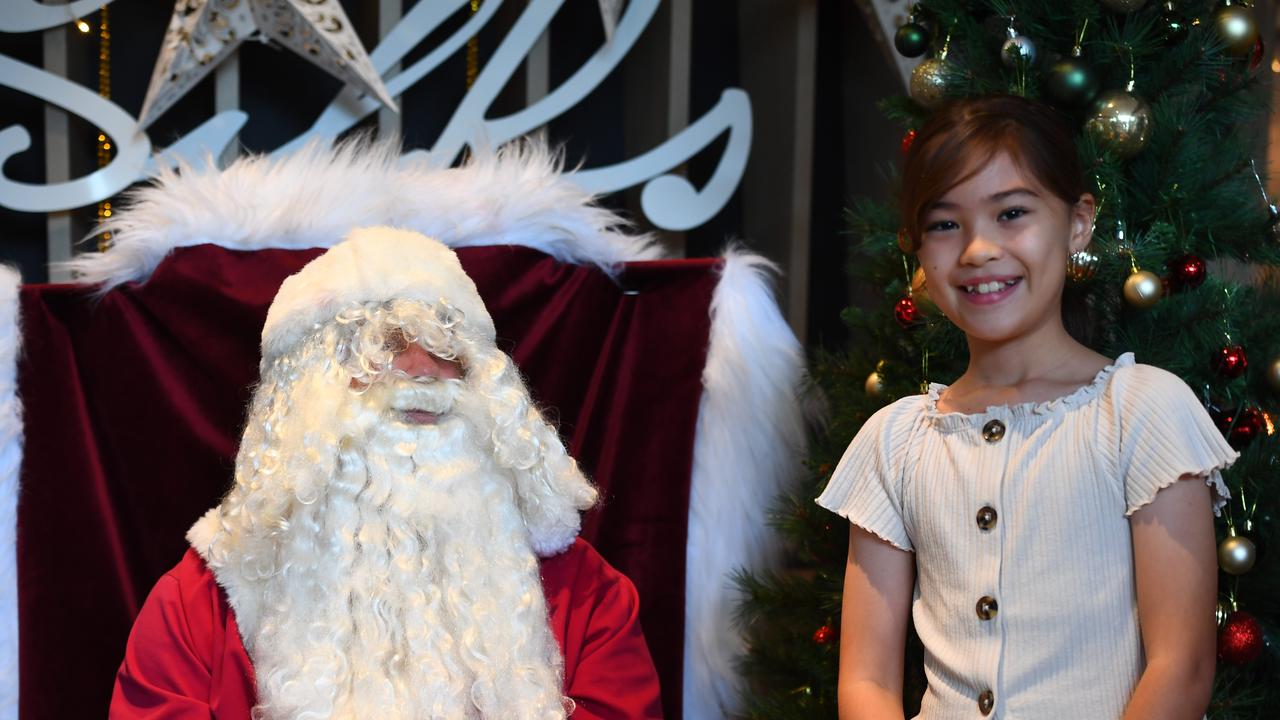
[415,361]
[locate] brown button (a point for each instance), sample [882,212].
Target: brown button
[987,607]
[986,518]
[993,431]
[986,701]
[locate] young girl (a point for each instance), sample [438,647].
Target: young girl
[1046,518]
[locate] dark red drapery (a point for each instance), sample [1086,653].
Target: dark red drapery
[133,408]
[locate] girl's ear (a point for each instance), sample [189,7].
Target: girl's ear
[1082,216]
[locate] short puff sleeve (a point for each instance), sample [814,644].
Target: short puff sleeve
[866,487]
[1164,433]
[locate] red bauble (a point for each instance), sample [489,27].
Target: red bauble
[907,139]
[1240,640]
[1241,427]
[1230,361]
[1186,272]
[825,634]
[906,312]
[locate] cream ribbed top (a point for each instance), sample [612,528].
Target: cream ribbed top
[1028,506]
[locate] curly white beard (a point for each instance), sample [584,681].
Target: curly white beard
[401,582]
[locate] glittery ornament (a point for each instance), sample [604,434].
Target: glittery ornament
[906,312]
[907,139]
[1121,122]
[1142,289]
[1016,49]
[824,635]
[929,82]
[1240,427]
[1071,82]
[1186,272]
[1237,27]
[1273,374]
[1123,6]
[912,39]
[1236,554]
[1082,265]
[1240,640]
[1230,361]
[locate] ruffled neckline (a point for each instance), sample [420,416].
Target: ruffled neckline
[1080,396]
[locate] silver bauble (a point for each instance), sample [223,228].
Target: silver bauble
[1236,554]
[1123,6]
[1121,122]
[1237,27]
[1018,48]
[1142,289]
[929,82]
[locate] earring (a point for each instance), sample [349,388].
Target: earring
[1081,265]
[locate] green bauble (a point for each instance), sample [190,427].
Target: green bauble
[1237,27]
[929,82]
[912,40]
[1121,122]
[1071,82]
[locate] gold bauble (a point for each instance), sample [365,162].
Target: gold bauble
[929,82]
[1273,374]
[1142,289]
[1237,27]
[1121,122]
[1123,6]
[1082,265]
[874,385]
[1236,554]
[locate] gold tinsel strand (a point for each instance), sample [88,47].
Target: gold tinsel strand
[104,89]
[473,51]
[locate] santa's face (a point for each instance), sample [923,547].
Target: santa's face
[419,364]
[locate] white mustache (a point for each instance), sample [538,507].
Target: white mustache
[436,397]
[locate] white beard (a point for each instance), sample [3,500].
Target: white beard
[400,581]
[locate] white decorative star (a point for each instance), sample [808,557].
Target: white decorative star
[203,32]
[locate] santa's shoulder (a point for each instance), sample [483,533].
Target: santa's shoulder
[581,569]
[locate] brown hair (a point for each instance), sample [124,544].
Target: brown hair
[963,135]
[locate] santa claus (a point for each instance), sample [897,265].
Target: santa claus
[401,539]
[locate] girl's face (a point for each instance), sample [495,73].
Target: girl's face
[994,251]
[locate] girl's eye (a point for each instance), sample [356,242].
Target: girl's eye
[1013,213]
[940,226]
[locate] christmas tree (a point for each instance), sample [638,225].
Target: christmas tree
[1182,270]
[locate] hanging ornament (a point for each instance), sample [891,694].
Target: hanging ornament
[824,635]
[1230,361]
[1186,272]
[1240,640]
[1142,289]
[1240,427]
[929,82]
[907,140]
[1221,612]
[1236,554]
[1176,25]
[1071,82]
[1017,48]
[874,385]
[1123,6]
[1237,27]
[912,39]
[920,292]
[1273,374]
[1082,265]
[1120,121]
[906,312]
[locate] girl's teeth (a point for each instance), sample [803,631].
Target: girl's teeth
[989,287]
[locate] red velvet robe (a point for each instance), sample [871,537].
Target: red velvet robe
[185,659]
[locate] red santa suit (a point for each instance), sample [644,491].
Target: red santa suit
[185,658]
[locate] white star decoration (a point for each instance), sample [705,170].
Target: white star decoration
[203,32]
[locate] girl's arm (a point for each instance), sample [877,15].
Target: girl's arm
[878,581]
[1176,567]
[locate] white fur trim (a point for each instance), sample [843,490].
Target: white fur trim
[10,466]
[371,264]
[750,440]
[314,197]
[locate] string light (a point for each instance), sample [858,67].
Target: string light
[104,90]
[83,26]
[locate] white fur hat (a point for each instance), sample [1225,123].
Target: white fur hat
[371,264]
